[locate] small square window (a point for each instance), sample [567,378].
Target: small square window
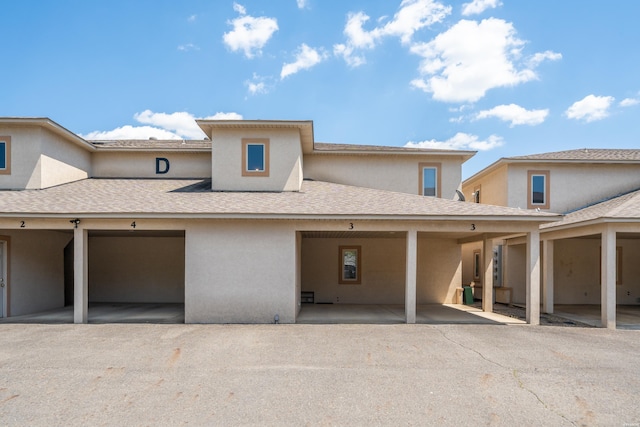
[430,179]
[538,190]
[255,157]
[5,155]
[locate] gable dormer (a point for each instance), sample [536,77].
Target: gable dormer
[38,153]
[257,155]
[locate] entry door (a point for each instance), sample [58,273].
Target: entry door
[3,278]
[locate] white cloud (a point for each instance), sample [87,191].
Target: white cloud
[302,3]
[187,47]
[178,125]
[412,16]
[479,6]
[249,34]
[470,58]
[306,58]
[590,108]
[539,57]
[192,18]
[347,52]
[515,114]
[629,102]
[257,85]
[239,8]
[131,132]
[460,141]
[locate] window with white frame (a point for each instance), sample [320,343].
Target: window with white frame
[255,157]
[538,189]
[430,179]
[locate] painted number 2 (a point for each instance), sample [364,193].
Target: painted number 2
[22,224]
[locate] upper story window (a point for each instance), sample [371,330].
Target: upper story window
[5,155]
[430,179]
[538,189]
[476,194]
[255,157]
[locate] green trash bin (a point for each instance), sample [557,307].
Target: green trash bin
[467,295]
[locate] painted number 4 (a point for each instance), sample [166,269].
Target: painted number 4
[133,224]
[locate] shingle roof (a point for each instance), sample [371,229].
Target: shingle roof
[593,154]
[188,197]
[153,144]
[621,207]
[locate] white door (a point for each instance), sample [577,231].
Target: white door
[3,279]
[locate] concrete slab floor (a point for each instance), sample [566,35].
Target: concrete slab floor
[109,313]
[627,316]
[394,314]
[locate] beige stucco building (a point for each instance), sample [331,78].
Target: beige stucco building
[243,227]
[590,257]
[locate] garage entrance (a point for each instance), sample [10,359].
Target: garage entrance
[139,275]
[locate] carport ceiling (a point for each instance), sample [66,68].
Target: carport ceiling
[353,234]
[136,233]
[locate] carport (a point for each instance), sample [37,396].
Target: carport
[591,259]
[406,271]
[134,275]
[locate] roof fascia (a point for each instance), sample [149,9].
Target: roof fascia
[342,217]
[305,127]
[50,125]
[466,155]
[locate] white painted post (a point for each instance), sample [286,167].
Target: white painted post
[533,277]
[547,277]
[487,278]
[81,276]
[608,279]
[411,276]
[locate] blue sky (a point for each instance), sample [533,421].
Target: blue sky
[502,77]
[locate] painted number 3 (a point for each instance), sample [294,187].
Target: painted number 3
[350,226]
[473,227]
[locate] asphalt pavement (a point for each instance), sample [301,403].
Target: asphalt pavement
[138,374]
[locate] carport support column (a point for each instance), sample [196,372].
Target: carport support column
[80,275]
[411,276]
[608,279]
[547,276]
[533,277]
[487,279]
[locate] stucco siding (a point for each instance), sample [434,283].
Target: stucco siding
[25,158]
[515,271]
[240,272]
[62,161]
[36,270]
[393,173]
[439,270]
[493,188]
[577,271]
[136,269]
[574,186]
[285,161]
[382,270]
[143,165]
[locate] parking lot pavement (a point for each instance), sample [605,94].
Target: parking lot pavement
[317,375]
